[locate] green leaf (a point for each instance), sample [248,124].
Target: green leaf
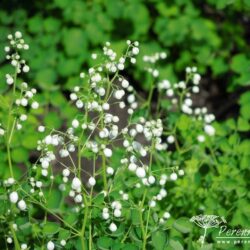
[243,125]
[183,225]
[46,79]
[63,234]
[175,244]
[71,219]
[54,199]
[135,216]
[51,24]
[51,228]
[20,155]
[52,120]
[240,63]
[159,240]
[130,247]
[104,243]
[30,141]
[75,42]
[183,122]
[34,24]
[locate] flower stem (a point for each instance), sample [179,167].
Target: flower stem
[17,246]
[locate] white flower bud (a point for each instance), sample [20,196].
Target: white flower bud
[92,181]
[50,245]
[13,197]
[22,205]
[76,183]
[140,172]
[112,227]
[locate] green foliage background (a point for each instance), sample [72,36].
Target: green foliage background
[213,35]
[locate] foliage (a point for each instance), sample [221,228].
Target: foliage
[63,34]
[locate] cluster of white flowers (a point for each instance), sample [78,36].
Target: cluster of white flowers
[14,198]
[26,95]
[152,59]
[17,43]
[184,90]
[116,207]
[97,132]
[164,217]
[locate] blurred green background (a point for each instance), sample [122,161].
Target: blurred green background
[213,35]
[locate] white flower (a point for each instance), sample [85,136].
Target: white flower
[92,181]
[18,34]
[166,215]
[64,153]
[24,246]
[151,179]
[13,197]
[116,205]
[94,56]
[110,170]
[66,172]
[120,66]
[117,213]
[22,205]
[209,130]
[201,138]
[133,60]
[181,172]
[39,184]
[107,152]
[125,83]
[50,245]
[170,139]
[10,80]
[75,123]
[73,96]
[82,75]
[78,198]
[155,73]
[170,92]
[105,106]
[125,197]
[173,176]
[132,166]
[45,163]
[105,215]
[135,51]
[24,102]
[9,240]
[101,91]
[140,172]
[18,126]
[26,68]
[119,94]
[41,129]
[44,172]
[79,104]
[35,105]
[112,227]
[63,242]
[76,183]
[11,181]
[152,203]
[2,132]
[195,89]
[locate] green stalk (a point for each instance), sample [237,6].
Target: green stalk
[10,127]
[17,246]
